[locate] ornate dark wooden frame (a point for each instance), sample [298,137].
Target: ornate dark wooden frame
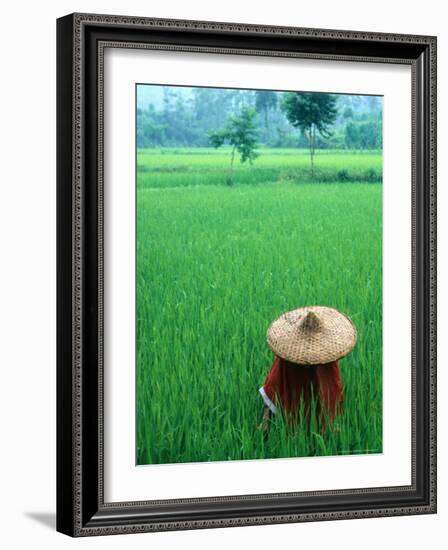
[81,39]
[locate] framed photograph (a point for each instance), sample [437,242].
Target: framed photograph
[246,274]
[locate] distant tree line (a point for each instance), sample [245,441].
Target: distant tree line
[185,117]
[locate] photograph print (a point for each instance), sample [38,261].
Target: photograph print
[258,274]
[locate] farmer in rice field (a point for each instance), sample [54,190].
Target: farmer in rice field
[307,342]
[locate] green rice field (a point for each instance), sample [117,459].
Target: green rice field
[216,263]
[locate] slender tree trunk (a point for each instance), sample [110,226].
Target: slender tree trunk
[311,135]
[314,145]
[232,158]
[266,124]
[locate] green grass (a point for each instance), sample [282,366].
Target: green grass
[187,167]
[215,265]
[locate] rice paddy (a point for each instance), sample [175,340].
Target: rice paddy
[222,253]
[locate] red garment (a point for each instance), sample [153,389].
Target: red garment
[287,384]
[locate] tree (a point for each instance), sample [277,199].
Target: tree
[151,132]
[352,135]
[310,112]
[264,102]
[348,113]
[241,133]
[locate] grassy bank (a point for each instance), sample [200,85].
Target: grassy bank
[194,166]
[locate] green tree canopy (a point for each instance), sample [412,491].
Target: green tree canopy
[311,112]
[240,132]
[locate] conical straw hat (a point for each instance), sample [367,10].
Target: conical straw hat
[312,335]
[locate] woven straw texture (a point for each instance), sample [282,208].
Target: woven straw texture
[312,335]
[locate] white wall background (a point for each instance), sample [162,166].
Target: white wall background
[27,275]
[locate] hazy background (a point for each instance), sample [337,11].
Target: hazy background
[175,116]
